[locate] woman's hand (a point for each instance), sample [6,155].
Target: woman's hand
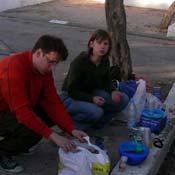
[99,101]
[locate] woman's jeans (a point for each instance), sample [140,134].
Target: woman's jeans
[87,114]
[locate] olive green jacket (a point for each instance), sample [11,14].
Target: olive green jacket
[84,78]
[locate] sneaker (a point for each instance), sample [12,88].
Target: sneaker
[30,151]
[27,153]
[8,164]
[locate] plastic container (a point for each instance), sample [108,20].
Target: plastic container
[155,121]
[134,157]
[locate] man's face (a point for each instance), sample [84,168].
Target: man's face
[46,62]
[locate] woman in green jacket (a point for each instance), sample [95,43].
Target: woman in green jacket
[88,93]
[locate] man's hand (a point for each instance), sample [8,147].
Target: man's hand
[62,142]
[79,135]
[99,101]
[116,96]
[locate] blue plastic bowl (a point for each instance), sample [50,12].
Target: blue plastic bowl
[134,158]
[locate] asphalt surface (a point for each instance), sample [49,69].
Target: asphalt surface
[152,53]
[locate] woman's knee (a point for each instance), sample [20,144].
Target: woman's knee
[118,107]
[96,114]
[124,100]
[103,93]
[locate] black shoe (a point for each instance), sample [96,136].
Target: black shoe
[30,151]
[7,163]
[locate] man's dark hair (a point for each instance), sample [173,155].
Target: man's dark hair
[48,43]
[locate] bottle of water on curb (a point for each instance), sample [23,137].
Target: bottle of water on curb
[122,163]
[132,118]
[132,115]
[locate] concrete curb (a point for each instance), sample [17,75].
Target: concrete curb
[152,164]
[156,157]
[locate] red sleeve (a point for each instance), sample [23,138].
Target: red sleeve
[54,107]
[15,91]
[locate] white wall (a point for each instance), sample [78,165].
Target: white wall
[9,4]
[157,4]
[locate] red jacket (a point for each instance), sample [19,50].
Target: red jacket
[21,88]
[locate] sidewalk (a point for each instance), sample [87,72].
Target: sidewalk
[151,53]
[150,49]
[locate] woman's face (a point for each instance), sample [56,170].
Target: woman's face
[99,47]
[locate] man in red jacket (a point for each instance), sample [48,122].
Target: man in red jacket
[29,104]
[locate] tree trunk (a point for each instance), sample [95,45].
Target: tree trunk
[116,23]
[166,20]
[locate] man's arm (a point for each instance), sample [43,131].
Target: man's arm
[54,107]
[15,86]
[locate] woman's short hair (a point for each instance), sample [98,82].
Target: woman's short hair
[101,35]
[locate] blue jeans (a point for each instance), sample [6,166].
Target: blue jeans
[86,114]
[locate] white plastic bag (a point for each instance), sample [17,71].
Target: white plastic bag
[84,161]
[170,103]
[140,95]
[139,101]
[99,161]
[142,100]
[74,163]
[171,30]
[100,164]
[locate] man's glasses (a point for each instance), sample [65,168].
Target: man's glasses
[52,62]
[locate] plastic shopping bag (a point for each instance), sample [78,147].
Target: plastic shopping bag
[100,164]
[88,159]
[74,163]
[139,99]
[99,161]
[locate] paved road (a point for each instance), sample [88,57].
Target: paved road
[151,57]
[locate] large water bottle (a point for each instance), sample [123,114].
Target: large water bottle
[132,115]
[132,120]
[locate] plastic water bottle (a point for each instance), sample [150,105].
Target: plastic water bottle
[132,119]
[157,92]
[122,163]
[151,106]
[132,115]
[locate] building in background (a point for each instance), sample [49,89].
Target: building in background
[157,4]
[10,4]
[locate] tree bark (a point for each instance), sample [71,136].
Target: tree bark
[168,16]
[116,23]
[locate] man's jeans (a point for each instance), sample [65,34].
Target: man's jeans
[86,114]
[17,137]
